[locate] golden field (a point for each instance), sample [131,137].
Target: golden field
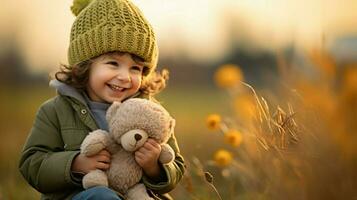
[239,143]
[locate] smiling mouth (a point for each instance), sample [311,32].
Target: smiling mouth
[116,88]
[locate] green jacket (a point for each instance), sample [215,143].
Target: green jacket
[60,126]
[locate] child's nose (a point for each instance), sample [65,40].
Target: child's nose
[123,75]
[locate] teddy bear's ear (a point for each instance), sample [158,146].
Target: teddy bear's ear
[110,112]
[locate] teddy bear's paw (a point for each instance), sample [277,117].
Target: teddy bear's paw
[167,154]
[95,178]
[94,142]
[138,192]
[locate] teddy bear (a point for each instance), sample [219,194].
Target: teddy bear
[130,124]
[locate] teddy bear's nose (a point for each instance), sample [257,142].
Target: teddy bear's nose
[137,137]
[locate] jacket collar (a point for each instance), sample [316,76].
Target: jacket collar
[66,90]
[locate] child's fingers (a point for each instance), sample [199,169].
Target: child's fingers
[152,146]
[103,158]
[144,150]
[149,146]
[153,143]
[104,152]
[102,165]
[139,154]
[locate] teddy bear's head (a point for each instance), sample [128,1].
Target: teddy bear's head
[135,120]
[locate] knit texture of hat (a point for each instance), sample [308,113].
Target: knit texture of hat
[104,26]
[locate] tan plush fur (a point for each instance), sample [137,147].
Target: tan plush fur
[126,122]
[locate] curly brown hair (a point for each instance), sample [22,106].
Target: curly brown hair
[77,76]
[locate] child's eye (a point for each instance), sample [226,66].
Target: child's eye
[136,68]
[112,63]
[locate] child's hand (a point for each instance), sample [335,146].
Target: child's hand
[147,157]
[85,164]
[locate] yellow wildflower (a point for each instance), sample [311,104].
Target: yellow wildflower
[228,76]
[213,121]
[233,137]
[245,107]
[223,158]
[350,78]
[323,62]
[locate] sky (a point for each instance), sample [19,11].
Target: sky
[201,28]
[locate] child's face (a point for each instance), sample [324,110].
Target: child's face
[114,77]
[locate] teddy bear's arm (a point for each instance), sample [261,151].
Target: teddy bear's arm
[95,142]
[167,154]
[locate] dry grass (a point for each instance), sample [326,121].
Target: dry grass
[302,148]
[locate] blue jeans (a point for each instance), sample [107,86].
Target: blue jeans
[96,193]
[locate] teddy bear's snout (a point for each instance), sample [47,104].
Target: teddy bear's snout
[133,139]
[137,137]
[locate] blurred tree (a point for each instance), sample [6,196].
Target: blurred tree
[14,70]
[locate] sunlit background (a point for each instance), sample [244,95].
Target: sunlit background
[204,30]
[195,38]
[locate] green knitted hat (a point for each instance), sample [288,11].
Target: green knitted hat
[104,26]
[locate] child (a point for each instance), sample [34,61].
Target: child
[112,55]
